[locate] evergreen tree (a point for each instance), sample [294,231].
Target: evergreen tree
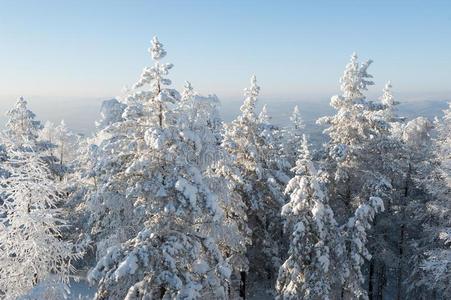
[431,256]
[30,234]
[221,176]
[357,163]
[170,257]
[21,125]
[252,145]
[309,271]
[292,138]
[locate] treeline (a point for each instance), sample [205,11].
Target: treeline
[167,201]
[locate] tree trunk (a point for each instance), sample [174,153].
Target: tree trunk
[243,285]
[402,233]
[348,192]
[160,115]
[371,281]
[162,291]
[160,108]
[381,282]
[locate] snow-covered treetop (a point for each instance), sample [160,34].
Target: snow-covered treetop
[263,117]
[197,109]
[357,119]
[110,112]
[417,132]
[387,97]
[304,163]
[389,103]
[155,74]
[21,124]
[251,94]
[188,91]
[151,105]
[296,119]
[157,50]
[254,89]
[355,79]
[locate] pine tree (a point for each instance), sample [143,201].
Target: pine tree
[349,130]
[357,160]
[252,145]
[221,176]
[292,138]
[431,256]
[386,156]
[30,234]
[308,273]
[170,257]
[21,125]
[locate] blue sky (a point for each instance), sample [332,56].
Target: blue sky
[297,49]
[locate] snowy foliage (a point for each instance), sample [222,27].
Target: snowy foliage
[170,202]
[21,124]
[49,289]
[308,273]
[251,142]
[432,260]
[292,138]
[356,251]
[170,256]
[30,235]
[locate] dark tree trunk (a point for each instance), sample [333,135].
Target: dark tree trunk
[402,233]
[243,285]
[371,281]
[401,254]
[162,291]
[381,282]
[348,192]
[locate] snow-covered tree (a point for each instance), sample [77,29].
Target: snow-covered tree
[292,138]
[356,252]
[390,103]
[48,134]
[171,257]
[49,289]
[66,142]
[21,124]
[385,156]
[30,233]
[349,130]
[309,271]
[251,144]
[22,127]
[360,161]
[431,255]
[61,145]
[216,164]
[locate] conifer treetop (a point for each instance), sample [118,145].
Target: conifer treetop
[355,79]
[155,74]
[251,93]
[157,49]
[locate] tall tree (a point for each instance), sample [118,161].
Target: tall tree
[30,234]
[170,257]
[21,124]
[216,164]
[250,140]
[315,242]
[292,138]
[356,160]
[431,256]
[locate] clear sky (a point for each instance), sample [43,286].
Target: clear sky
[297,49]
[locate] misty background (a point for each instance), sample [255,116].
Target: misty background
[80,114]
